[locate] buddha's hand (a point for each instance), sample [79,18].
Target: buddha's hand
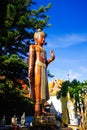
[52,55]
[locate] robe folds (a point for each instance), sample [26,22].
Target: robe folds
[37,73]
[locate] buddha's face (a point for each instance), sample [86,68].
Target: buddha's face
[40,40]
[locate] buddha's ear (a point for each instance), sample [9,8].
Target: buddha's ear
[35,42]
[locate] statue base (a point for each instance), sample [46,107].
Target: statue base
[74,127]
[44,120]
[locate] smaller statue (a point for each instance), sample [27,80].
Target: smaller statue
[14,119]
[23,119]
[71,110]
[14,122]
[3,121]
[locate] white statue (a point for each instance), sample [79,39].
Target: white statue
[72,118]
[14,120]
[23,119]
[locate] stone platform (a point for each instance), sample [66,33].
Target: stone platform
[38,127]
[74,127]
[44,120]
[39,123]
[45,128]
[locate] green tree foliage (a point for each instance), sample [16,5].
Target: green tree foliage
[12,66]
[11,93]
[49,74]
[84,87]
[18,22]
[11,101]
[64,88]
[75,89]
[16,34]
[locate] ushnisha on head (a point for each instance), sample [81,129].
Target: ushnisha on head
[38,33]
[39,36]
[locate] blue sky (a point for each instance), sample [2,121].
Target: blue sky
[68,38]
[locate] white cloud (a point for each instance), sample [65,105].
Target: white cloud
[79,74]
[66,40]
[73,75]
[63,74]
[83,69]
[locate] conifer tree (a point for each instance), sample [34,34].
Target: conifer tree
[18,22]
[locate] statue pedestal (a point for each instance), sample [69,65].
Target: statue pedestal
[43,120]
[74,127]
[67,128]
